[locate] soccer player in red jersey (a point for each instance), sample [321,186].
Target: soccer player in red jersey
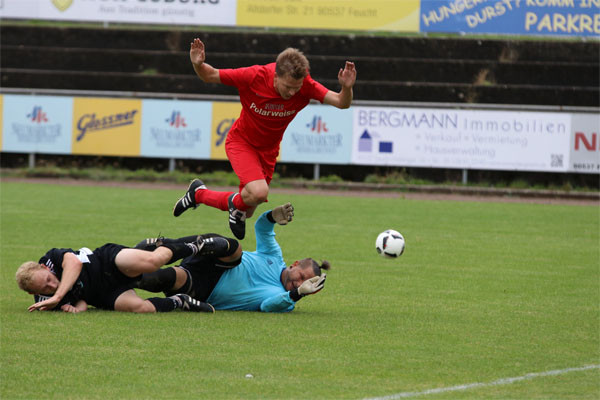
[271,96]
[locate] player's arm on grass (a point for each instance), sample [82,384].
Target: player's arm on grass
[278,303]
[71,269]
[80,306]
[347,78]
[205,71]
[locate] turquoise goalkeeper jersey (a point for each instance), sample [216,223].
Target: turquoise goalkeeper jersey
[255,284]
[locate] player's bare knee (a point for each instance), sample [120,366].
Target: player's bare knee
[146,307]
[259,196]
[257,193]
[262,197]
[143,306]
[156,259]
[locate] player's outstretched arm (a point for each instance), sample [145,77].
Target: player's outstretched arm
[283,214]
[347,79]
[198,57]
[264,228]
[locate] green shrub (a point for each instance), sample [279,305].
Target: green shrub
[519,184]
[331,178]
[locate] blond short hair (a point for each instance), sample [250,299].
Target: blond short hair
[292,62]
[25,274]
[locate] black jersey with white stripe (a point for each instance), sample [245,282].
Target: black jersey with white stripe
[53,259]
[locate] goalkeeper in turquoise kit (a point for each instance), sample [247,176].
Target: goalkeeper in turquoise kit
[232,279]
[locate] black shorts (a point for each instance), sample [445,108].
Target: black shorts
[205,272]
[107,282]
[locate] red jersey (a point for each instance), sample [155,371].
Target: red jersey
[265,114]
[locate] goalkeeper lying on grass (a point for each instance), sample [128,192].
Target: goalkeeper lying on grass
[230,279]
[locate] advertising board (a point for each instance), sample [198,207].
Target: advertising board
[224,115]
[37,124]
[466,139]
[109,127]
[514,17]
[585,144]
[318,134]
[176,129]
[334,14]
[180,12]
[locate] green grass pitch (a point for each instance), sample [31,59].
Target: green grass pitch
[484,291]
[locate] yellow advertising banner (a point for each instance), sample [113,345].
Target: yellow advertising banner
[224,115]
[371,15]
[109,127]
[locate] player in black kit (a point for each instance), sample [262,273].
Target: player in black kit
[69,280]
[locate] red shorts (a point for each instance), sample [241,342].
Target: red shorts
[249,163]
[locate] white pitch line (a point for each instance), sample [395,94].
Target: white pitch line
[502,381]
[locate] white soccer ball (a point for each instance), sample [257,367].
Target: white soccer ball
[390,244]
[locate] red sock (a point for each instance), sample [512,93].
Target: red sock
[213,198]
[238,202]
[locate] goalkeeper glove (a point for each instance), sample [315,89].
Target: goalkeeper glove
[309,286]
[283,214]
